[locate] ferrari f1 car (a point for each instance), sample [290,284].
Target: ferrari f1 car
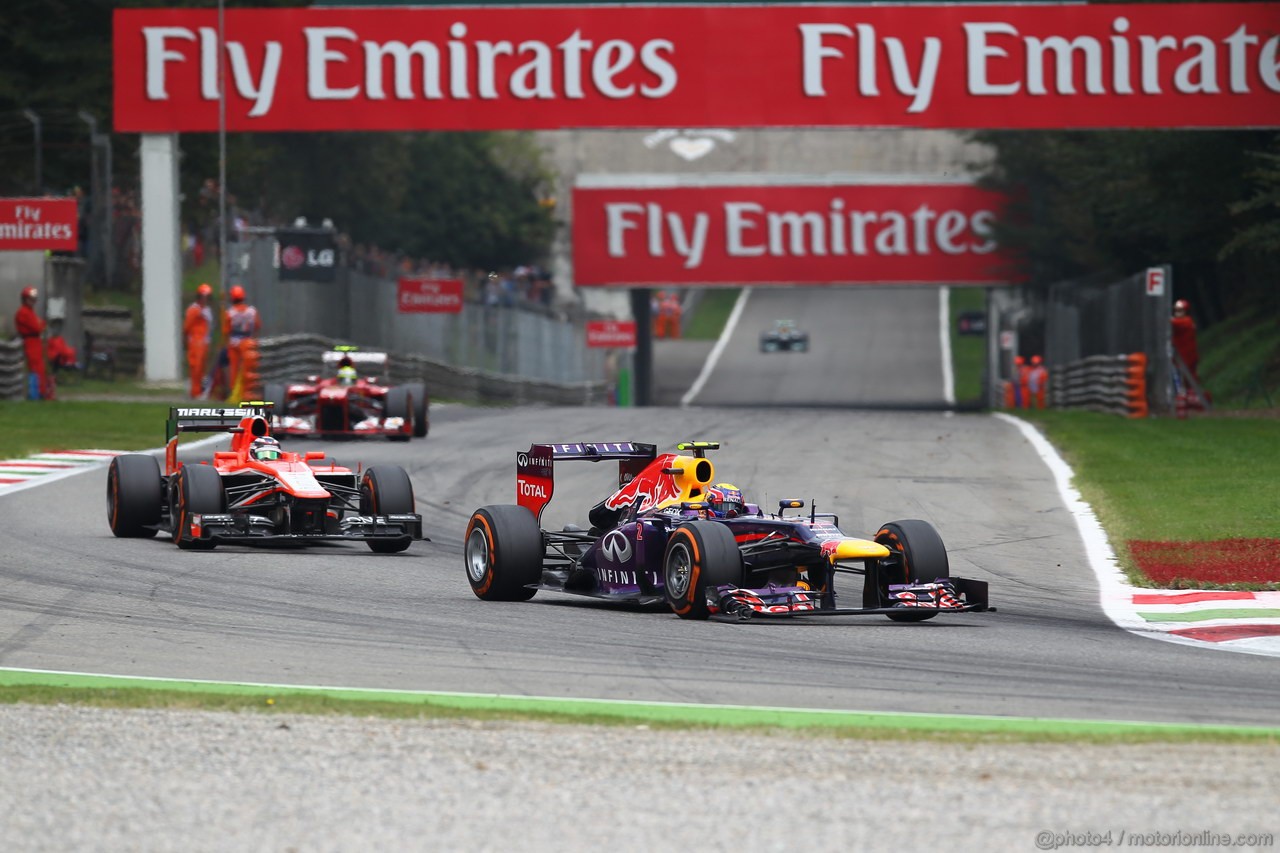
[657,538]
[784,336]
[344,402]
[256,492]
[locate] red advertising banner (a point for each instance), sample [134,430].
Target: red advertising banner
[38,223]
[429,296]
[1036,65]
[800,234]
[611,334]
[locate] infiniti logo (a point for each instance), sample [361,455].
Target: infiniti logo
[616,547]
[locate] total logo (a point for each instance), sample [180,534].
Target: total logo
[531,490]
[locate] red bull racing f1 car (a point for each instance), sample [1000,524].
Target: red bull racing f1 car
[671,533]
[348,403]
[256,492]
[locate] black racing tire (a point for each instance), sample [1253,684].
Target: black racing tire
[503,553]
[277,395]
[197,490]
[923,558]
[386,490]
[397,405]
[135,496]
[421,405]
[699,554]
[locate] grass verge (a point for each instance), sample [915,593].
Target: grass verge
[120,692]
[711,314]
[968,352]
[1195,480]
[80,425]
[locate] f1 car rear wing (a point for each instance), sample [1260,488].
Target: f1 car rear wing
[192,419]
[535,468]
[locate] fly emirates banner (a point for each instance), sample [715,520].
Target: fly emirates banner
[829,234]
[477,68]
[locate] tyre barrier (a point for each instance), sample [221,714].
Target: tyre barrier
[1116,384]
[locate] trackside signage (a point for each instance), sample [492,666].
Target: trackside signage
[483,68]
[429,296]
[611,334]
[38,223]
[831,234]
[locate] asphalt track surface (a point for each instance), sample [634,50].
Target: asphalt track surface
[76,599]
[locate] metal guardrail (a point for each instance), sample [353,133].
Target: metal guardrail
[291,358]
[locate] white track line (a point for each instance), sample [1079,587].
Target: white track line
[710,364]
[944,338]
[10,488]
[1116,591]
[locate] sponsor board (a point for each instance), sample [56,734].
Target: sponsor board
[1053,65]
[429,295]
[611,334]
[38,224]
[826,234]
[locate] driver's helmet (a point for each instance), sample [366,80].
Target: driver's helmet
[265,449]
[726,500]
[347,375]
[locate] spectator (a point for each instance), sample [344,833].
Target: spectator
[240,328]
[31,329]
[197,328]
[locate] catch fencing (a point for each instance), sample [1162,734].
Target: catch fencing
[527,341]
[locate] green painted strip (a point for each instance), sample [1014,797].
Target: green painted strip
[1205,615]
[720,715]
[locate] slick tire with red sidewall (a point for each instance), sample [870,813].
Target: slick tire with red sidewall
[922,557]
[503,553]
[699,554]
[197,491]
[135,496]
[386,490]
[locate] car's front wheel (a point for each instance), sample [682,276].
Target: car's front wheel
[918,556]
[198,491]
[699,554]
[386,490]
[503,553]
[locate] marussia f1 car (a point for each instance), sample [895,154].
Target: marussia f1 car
[256,492]
[345,403]
[657,539]
[784,336]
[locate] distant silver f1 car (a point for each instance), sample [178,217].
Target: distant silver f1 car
[784,336]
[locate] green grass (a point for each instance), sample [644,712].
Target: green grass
[1240,361]
[1198,479]
[709,317]
[968,352]
[80,425]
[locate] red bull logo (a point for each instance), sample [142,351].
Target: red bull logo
[651,486]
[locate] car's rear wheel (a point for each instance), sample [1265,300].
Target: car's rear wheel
[397,406]
[421,405]
[135,496]
[918,557]
[198,491]
[503,553]
[386,490]
[699,554]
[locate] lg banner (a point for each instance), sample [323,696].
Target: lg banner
[306,255]
[849,234]
[947,66]
[429,296]
[38,223]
